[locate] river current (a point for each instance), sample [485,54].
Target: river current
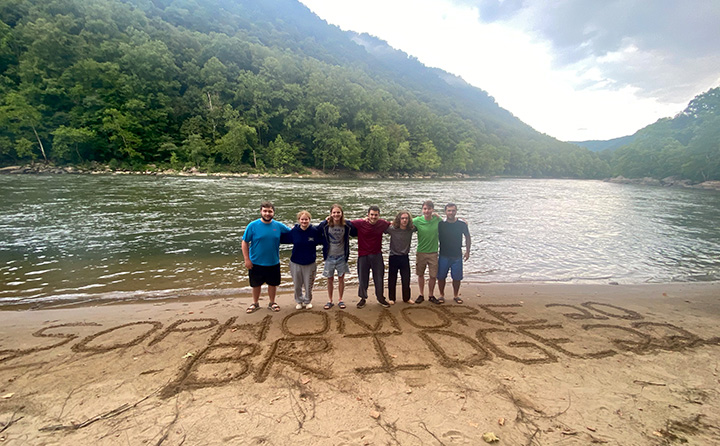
[66,239]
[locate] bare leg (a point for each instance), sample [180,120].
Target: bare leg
[421,284]
[272,291]
[456,287]
[341,287]
[256,293]
[331,281]
[441,287]
[431,286]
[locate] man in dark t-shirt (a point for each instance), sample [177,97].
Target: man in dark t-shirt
[370,232]
[450,233]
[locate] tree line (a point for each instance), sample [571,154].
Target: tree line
[228,85]
[686,146]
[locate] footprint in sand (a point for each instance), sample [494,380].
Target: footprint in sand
[357,437]
[456,437]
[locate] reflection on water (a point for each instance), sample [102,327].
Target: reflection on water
[69,238]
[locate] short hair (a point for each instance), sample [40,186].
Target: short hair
[304,212]
[450,205]
[429,204]
[267,204]
[396,222]
[374,208]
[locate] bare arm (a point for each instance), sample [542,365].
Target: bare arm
[246,254]
[468,243]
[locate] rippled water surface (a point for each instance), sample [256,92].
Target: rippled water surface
[83,238]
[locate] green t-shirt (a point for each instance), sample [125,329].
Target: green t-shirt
[427,233]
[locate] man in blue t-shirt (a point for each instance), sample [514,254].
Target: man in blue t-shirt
[261,249]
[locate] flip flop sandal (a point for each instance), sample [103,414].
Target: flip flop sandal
[341,305]
[274,306]
[252,308]
[457,300]
[329,305]
[441,299]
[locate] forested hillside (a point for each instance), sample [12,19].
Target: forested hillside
[236,85]
[686,146]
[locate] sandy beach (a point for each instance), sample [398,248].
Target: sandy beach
[530,364]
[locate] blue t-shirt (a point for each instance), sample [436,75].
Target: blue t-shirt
[304,244]
[264,240]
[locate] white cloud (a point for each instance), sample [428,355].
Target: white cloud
[567,70]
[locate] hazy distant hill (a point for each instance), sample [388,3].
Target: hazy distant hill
[610,144]
[245,84]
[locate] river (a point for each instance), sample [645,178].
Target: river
[67,239]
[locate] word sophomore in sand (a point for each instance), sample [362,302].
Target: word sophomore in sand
[261,250]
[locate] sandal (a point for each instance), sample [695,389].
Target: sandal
[441,299]
[458,300]
[252,308]
[434,300]
[341,305]
[274,306]
[329,305]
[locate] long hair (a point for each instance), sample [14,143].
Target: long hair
[396,222]
[342,216]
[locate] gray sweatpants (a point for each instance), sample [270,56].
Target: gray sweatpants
[303,277]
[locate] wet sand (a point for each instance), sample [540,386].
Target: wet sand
[534,364]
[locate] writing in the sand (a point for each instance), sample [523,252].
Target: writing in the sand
[449,336]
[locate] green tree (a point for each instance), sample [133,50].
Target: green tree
[20,117]
[197,149]
[120,128]
[428,159]
[281,155]
[239,139]
[376,149]
[68,143]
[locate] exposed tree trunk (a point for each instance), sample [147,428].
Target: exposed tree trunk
[42,149]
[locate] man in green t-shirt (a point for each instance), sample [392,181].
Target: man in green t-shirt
[427,249]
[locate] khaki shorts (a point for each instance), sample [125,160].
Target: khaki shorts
[426,259]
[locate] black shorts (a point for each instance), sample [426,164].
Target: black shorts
[264,274]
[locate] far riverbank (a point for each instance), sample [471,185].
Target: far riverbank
[40,168]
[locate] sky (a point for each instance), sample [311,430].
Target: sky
[574,69]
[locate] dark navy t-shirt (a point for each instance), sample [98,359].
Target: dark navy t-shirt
[450,235]
[304,243]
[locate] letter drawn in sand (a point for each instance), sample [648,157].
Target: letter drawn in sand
[83,346]
[541,355]
[175,327]
[459,356]
[297,353]
[377,335]
[581,314]
[502,315]
[6,355]
[219,362]
[556,343]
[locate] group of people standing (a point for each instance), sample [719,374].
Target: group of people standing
[439,251]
